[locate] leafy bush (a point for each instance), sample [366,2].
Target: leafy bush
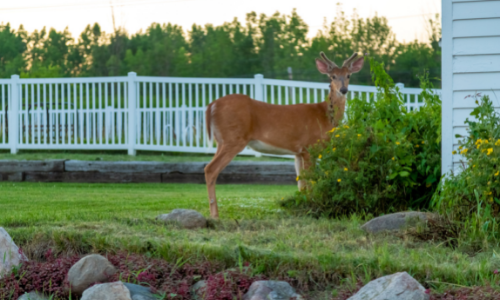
[472,196]
[382,158]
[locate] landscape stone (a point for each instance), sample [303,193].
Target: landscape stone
[10,256]
[89,270]
[396,221]
[397,286]
[138,292]
[187,218]
[271,290]
[198,290]
[33,296]
[107,291]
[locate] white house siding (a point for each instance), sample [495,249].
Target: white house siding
[470,65]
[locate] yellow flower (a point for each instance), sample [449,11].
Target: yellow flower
[359,134]
[473,166]
[478,146]
[345,169]
[460,148]
[497,143]
[345,126]
[339,180]
[337,135]
[489,193]
[489,151]
[498,172]
[418,146]
[393,158]
[397,143]
[463,151]
[334,149]
[333,129]
[320,156]
[297,179]
[478,141]
[454,152]
[423,142]
[486,141]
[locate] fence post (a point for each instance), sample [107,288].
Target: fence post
[259,87]
[132,107]
[15,100]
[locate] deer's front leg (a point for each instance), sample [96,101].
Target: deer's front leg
[301,163]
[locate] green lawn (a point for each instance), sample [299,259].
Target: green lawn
[122,156]
[81,218]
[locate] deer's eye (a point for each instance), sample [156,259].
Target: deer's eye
[334,77]
[348,76]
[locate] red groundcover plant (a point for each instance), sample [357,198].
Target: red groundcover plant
[172,281]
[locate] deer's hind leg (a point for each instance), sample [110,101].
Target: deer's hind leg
[223,156]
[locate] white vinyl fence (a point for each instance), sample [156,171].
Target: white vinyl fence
[137,112]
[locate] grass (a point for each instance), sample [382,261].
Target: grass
[82,218]
[122,156]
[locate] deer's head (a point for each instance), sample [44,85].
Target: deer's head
[339,76]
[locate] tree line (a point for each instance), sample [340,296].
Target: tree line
[266,44]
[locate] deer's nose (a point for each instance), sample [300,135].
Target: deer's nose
[343,90]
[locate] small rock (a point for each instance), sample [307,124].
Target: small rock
[397,286]
[10,255]
[138,292]
[107,291]
[187,218]
[271,290]
[198,290]
[396,221]
[33,296]
[89,270]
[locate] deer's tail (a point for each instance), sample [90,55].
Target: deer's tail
[208,116]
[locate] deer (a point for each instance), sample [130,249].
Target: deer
[236,121]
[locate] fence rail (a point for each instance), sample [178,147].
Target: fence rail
[138,112]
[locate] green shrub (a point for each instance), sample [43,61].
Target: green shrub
[380,159]
[472,196]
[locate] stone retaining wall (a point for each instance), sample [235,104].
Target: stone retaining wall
[135,172]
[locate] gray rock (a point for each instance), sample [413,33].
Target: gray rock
[33,296]
[396,221]
[107,291]
[138,292]
[10,255]
[198,290]
[398,286]
[187,218]
[89,270]
[271,290]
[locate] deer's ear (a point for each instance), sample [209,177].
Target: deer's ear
[322,66]
[357,65]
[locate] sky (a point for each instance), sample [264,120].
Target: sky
[407,18]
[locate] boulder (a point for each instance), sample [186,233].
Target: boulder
[138,292]
[198,290]
[396,221]
[89,270]
[271,290]
[33,296]
[397,286]
[107,291]
[187,218]
[10,255]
